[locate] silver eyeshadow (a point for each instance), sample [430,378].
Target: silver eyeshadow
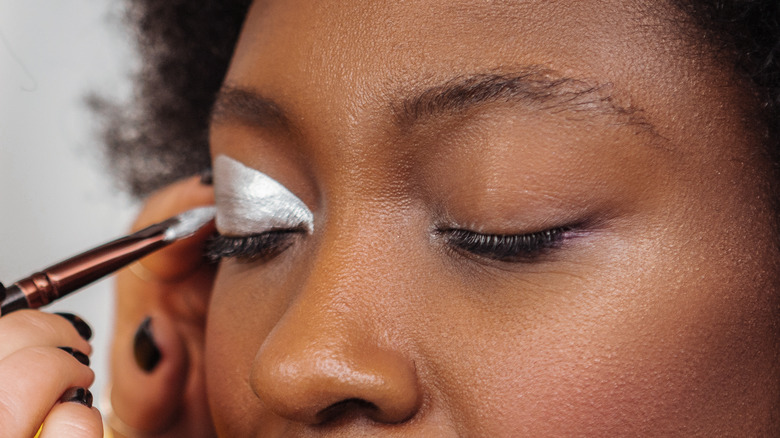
[250,202]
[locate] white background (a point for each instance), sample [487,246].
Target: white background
[56,196]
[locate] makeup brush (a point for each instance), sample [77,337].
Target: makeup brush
[59,280]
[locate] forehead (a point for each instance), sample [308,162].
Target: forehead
[349,61]
[332,43]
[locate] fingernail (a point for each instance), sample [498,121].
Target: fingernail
[207,177]
[81,326]
[81,357]
[77,395]
[146,353]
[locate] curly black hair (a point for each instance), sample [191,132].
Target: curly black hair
[186,46]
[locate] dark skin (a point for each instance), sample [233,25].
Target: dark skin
[373,324]
[655,313]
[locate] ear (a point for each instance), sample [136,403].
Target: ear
[158,387]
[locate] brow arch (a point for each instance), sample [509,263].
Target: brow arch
[536,88]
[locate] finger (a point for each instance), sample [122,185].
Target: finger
[176,277]
[34,379]
[174,199]
[30,328]
[169,394]
[180,258]
[73,419]
[187,299]
[173,400]
[149,399]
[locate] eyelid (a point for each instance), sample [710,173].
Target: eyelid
[251,202]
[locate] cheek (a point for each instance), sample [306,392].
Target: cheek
[645,349]
[239,320]
[634,338]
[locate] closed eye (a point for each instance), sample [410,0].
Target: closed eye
[512,248]
[262,246]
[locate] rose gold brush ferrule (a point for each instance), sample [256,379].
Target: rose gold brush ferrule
[58,280]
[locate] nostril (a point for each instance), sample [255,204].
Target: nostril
[347,408]
[317,369]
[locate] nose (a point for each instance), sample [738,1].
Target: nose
[327,360]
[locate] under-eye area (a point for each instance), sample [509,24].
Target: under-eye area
[510,248]
[257,247]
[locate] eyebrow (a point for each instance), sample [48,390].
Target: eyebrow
[537,89]
[238,104]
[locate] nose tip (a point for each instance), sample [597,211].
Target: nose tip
[319,384]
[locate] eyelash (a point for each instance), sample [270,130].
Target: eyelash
[261,246]
[512,248]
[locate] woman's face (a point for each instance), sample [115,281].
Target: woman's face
[529,218]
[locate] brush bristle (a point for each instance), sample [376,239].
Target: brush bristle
[189,222]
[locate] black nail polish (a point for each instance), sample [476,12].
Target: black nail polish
[146,353]
[77,395]
[207,177]
[81,357]
[81,326]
